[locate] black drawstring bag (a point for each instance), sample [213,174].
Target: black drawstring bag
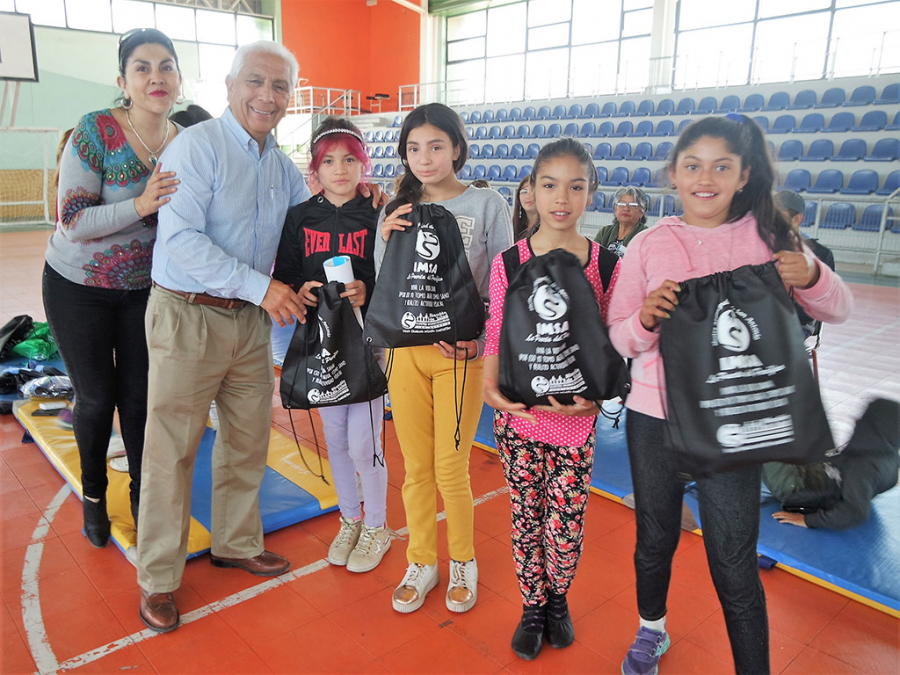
[739,388]
[553,341]
[13,332]
[327,362]
[425,291]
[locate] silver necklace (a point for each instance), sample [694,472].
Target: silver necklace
[154,156]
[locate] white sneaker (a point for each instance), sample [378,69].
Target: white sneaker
[344,542]
[373,543]
[462,591]
[410,594]
[119,464]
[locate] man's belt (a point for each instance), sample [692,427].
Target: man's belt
[205,299]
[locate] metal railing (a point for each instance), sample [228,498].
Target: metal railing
[325,101]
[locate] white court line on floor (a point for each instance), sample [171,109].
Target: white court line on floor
[48,663]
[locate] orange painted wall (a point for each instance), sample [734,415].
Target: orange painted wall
[347,45]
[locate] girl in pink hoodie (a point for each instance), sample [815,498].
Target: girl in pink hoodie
[724,178]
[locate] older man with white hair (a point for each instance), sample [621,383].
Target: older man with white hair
[209,329]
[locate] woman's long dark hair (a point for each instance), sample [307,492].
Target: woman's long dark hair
[744,138]
[409,188]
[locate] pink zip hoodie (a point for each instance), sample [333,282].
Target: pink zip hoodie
[674,250]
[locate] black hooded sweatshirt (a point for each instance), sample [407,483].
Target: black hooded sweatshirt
[317,230]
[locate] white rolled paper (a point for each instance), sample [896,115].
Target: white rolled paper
[340,269]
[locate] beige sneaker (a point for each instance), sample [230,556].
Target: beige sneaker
[462,592]
[410,594]
[344,542]
[373,543]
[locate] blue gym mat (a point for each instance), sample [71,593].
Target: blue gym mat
[862,563]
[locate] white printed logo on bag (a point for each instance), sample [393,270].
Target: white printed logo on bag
[314,395]
[540,385]
[408,320]
[730,329]
[548,300]
[428,246]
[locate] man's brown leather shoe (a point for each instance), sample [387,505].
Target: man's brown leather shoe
[266,564]
[158,611]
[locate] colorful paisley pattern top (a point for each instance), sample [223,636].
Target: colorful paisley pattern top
[99,239]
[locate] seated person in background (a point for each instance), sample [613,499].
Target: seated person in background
[792,206]
[837,494]
[190,116]
[630,206]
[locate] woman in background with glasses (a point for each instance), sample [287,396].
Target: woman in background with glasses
[629,210]
[97,275]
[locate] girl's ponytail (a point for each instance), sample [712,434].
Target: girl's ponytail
[745,138]
[409,187]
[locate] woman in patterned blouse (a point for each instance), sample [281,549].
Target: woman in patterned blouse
[97,275]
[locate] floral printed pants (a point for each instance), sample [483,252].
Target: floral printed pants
[548,492]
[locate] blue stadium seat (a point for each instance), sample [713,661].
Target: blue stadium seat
[370,136]
[783,124]
[839,216]
[493,172]
[531,152]
[390,151]
[487,151]
[592,110]
[863,182]
[575,111]
[644,128]
[589,148]
[601,174]
[618,176]
[529,114]
[608,109]
[842,121]
[553,131]
[811,123]
[827,182]
[517,151]
[662,151]
[665,107]
[642,151]
[752,103]
[819,150]
[523,172]
[640,177]
[481,133]
[538,131]
[544,113]
[644,108]
[895,125]
[558,113]
[851,151]
[682,125]
[863,95]
[832,98]
[391,136]
[495,132]
[503,190]
[622,151]
[597,202]
[571,129]
[874,120]
[777,101]
[871,219]
[475,117]
[379,151]
[602,151]
[390,170]
[524,131]
[803,100]
[502,115]
[378,171]
[509,131]
[588,129]
[707,105]
[478,172]
[625,109]
[790,151]
[398,121]
[889,95]
[502,151]
[605,129]
[515,114]
[685,106]
[379,136]
[891,183]
[885,150]
[464,116]
[729,104]
[809,214]
[470,132]
[762,121]
[465,173]
[474,151]
[487,116]
[624,129]
[797,180]
[665,206]
[664,128]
